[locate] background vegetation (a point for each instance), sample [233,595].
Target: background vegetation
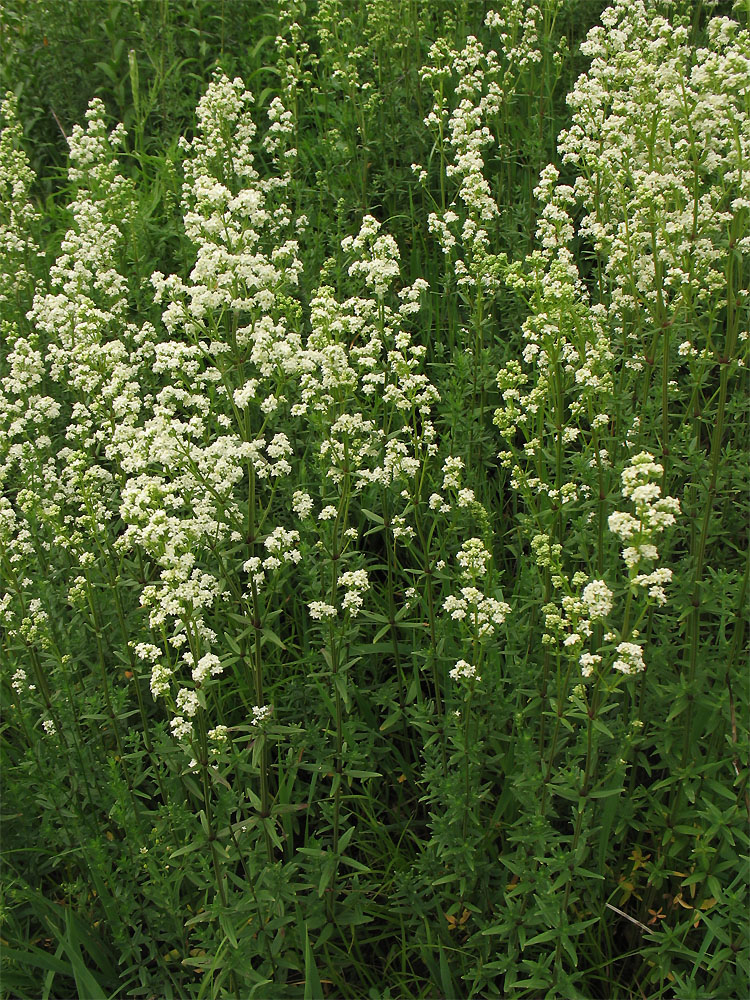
[375,583]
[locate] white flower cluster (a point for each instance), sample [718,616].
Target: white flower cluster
[341,384]
[517,24]
[377,256]
[569,624]
[232,215]
[182,729]
[179,462]
[473,558]
[261,714]
[481,614]
[629,658]
[663,219]
[478,614]
[659,216]
[302,504]
[83,316]
[653,513]
[588,661]
[356,583]
[352,444]
[279,132]
[161,673]
[320,611]
[486,82]
[209,665]
[598,599]
[218,737]
[18,217]
[453,467]
[76,334]
[182,495]
[464,670]
[282,547]
[292,52]
[463,134]
[566,346]
[366,392]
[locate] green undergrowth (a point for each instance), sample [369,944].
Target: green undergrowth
[373,530]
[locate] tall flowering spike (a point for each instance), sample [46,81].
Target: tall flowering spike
[18,217]
[364,377]
[461,227]
[241,227]
[377,259]
[82,323]
[660,141]
[478,614]
[89,296]
[207,461]
[659,146]
[653,513]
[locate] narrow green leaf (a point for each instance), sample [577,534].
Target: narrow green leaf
[313,988]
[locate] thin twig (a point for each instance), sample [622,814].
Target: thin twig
[58,124]
[643,927]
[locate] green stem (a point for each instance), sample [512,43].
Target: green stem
[715,457]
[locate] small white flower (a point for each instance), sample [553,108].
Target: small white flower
[208,665]
[464,669]
[218,735]
[261,714]
[630,658]
[598,599]
[319,610]
[181,728]
[588,661]
[302,504]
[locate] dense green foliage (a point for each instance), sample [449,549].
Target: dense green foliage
[375,499]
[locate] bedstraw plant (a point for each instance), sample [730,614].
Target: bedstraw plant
[373,529]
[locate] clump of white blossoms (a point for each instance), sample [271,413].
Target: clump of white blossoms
[570,624]
[473,558]
[680,111]
[598,599]
[486,82]
[376,256]
[567,355]
[18,217]
[76,342]
[464,671]
[209,665]
[205,460]
[356,584]
[580,605]
[461,227]
[664,221]
[83,321]
[218,737]
[653,513]
[302,504]
[261,714]
[282,546]
[629,658]
[478,614]
[320,611]
[366,393]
